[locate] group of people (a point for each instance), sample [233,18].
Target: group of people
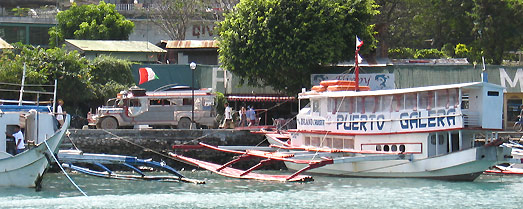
[16,137]
[247,117]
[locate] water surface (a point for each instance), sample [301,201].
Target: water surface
[222,192]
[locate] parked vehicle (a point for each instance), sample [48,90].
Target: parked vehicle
[159,108]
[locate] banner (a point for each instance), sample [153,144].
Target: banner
[376,81]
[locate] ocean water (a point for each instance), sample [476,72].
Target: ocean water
[222,192]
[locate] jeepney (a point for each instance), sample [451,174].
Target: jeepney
[156,109]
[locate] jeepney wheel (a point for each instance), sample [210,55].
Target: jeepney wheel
[108,123]
[184,123]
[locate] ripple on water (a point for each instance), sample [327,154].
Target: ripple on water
[222,192]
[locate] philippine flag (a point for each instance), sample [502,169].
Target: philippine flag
[359,42]
[146,74]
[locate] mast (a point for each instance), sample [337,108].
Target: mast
[22,88]
[359,43]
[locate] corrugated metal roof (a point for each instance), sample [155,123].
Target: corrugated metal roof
[5,45]
[191,44]
[449,61]
[115,46]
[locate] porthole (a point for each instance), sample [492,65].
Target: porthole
[394,148]
[402,148]
[386,148]
[378,147]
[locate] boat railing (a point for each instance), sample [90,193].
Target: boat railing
[471,118]
[41,94]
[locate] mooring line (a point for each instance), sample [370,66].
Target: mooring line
[63,170]
[148,149]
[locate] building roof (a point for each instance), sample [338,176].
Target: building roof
[114,46]
[5,45]
[191,44]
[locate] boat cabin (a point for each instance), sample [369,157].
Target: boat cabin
[447,117]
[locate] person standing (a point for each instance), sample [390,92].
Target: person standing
[227,116]
[60,113]
[251,116]
[243,117]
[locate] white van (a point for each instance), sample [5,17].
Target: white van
[157,109]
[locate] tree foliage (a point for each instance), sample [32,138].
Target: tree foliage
[91,22]
[488,27]
[81,82]
[279,42]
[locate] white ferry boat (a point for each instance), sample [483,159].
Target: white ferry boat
[425,132]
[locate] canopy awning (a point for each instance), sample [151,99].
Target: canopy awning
[260,98]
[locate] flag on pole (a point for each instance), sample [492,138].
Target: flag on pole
[359,42]
[360,59]
[146,74]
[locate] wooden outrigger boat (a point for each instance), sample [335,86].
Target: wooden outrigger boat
[69,158]
[270,157]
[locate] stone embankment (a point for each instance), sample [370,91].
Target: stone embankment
[148,143]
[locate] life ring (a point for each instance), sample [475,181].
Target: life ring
[327,83]
[319,88]
[347,88]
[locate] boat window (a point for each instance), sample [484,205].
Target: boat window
[359,105]
[385,103]
[493,93]
[315,105]
[442,98]
[369,104]
[315,141]
[386,148]
[396,102]
[348,143]
[411,101]
[331,107]
[351,104]
[426,100]
[453,97]
[394,148]
[327,142]
[378,147]
[337,143]
[465,100]
[342,104]
[307,141]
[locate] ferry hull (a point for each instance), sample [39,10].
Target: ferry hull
[465,165]
[27,168]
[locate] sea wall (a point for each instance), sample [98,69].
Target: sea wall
[148,143]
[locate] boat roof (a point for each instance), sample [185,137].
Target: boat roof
[18,108]
[472,85]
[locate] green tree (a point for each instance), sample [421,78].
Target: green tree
[110,76]
[82,84]
[280,42]
[43,66]
[498,26]
[92,22]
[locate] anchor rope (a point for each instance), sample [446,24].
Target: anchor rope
[63,170]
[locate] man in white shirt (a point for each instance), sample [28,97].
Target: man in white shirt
[227,122]
[19,139]
[60,112]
